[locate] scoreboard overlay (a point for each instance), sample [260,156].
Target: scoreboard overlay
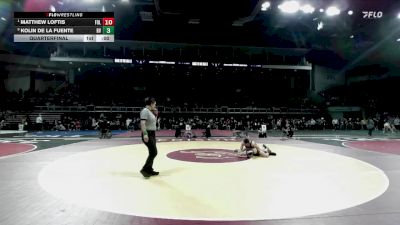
[64,26]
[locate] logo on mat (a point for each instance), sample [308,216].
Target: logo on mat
[206,155]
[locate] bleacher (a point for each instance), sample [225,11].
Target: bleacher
[12,120]
[186,110]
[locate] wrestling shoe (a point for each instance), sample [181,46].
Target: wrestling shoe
[145,174]
[153,173]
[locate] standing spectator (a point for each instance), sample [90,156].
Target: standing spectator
[94,123]
[312,124]
[370,126]
[2,122]
[208,131]
[178,132]
[396,123]
[363,124]
[78,124]
[39,122]
[128,123]
[335,124]
[28,123]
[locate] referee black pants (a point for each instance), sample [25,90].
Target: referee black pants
[151,146]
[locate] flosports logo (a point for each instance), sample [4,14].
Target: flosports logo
[206,155]
[372,14]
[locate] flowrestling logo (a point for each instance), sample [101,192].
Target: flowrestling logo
[206,155]
[372,14]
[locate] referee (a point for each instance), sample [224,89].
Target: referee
[148,126]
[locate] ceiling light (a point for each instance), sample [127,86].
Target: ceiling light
[307,9]
[265,6]
[332,11]
[350,12]
[321,10]
[289,7]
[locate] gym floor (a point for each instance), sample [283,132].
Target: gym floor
[316,178]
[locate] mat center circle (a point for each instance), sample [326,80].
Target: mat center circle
[206,155]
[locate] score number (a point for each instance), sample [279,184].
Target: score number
[108,22]
[108,30]
[108,25]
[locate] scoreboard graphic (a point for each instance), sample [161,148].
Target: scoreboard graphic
[64,26]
